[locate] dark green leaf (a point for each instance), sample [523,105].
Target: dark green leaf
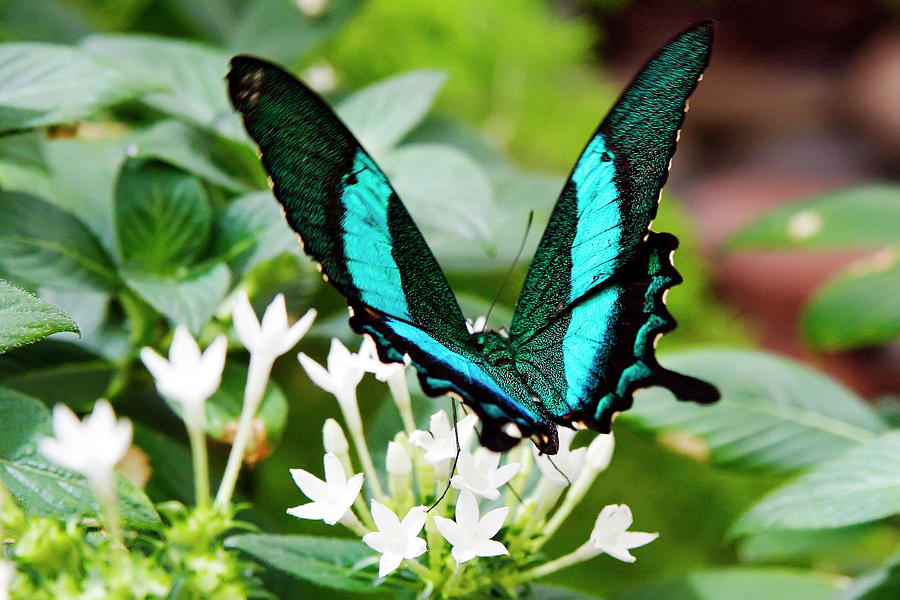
[25,318]
[778,546]
[42,488]
[381,114]
[251,230]
[775,413]
[46,21]
[57,372]
[854,217]
[163,218]
[191,72]
[46,245]
[328,562]
[43,84]
[857,308]
[171,476]
[739,584]
[23,149]
[191,300]
[860,485]
[184,147]
[277,30]
[552,592]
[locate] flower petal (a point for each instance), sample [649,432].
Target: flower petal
[414,520]
[491,523]
[388,563]
[620,553]
[334,471]
[491,548]
[385,519]
[314,488]
[317,373]
[296,332]
[311,510]
[636,539]
[245,323]
[449,529]
[184,350]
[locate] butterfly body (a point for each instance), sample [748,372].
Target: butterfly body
[583,334]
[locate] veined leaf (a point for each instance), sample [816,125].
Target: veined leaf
[862,217]
[381,114]
[42,488]
[252,229]
[25,318]
[328,562]
[43,84]
[878,585]
[163,218]
[46,245]
[775,413]
[191,72]
[860,485]
[190,300]
[739,584]
[857,308]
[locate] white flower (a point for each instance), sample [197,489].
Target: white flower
[368,360]
[600,451]
[564,466]
[333,438]
[321,76]
[476,326]
[343,373]
[93,446]
[395,539]
[397,461]
[471,535]
[483,475]
[610,533]
[188,377]
[273,337]
[7,573]
[332,498]
[439,442]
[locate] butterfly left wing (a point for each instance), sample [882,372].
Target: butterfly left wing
[591,308]
[352,222]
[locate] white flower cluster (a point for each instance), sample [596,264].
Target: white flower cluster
[500,505]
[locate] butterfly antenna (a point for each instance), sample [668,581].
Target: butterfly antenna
[455,458]
[511,267]
[558,470]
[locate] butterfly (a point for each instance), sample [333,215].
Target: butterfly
[583,335]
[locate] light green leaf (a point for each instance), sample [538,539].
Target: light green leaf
[253,229]
[184,147]
[190,300]
[775,413]
[277,30]
[163,218]
[25,318]
[855,217]
[779,546]
[328,562]
[552,592]
[43,84]
[882,584]
[46,245]
[24,150]
[445,190]
[860,485]
[739,584]
[193,75]
[42,488]
[57,372]
[381,114]
[859,307]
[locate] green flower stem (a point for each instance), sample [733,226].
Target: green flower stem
[573,497]
[581,554]
[105,490]
[416,567]
[350,410]
[352,523]
[197,437]
[453,580]
[254,390]
[400,393]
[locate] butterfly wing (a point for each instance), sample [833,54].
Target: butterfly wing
[351,221]
[592,306]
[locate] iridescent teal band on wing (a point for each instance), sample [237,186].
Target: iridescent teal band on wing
[367,241]
[589,340]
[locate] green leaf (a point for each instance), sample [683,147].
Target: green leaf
[43,84]
[552,592]
[193,75]
[190,300]
[46,245]
[25,318]
[858,308]
[879,585]
[739,584]
[780,546]
[163,218]
[24,149]
[444,189]
[252,229]
[184,147]
[381,114]
[775,413]
[42,488]
[861,485]
[57,372]
[172,476]
[328,562]
[277,30]
[854,217]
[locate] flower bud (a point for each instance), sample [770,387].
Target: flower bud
[398,461]
[600,451]
[334,439]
